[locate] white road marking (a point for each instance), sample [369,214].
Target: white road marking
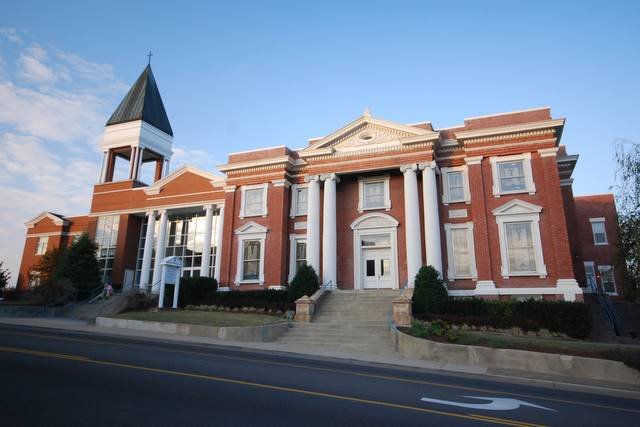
[495,403]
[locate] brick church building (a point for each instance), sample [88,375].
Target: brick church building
[488,203]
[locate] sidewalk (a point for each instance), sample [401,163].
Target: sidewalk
[387,360]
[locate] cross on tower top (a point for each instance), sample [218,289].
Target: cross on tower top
[149,55]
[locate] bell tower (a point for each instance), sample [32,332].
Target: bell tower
[138,133]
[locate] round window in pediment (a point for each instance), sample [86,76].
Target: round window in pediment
[366,136]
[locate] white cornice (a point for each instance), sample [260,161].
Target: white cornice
[500,130]
[262,162]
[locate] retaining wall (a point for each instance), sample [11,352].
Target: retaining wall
[544,363]
[262,333]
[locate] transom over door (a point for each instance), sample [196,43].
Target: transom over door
[376,268]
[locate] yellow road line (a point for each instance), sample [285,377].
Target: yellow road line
[340,371]
[494,419]
[514,423]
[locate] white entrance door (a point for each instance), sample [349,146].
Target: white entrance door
[376,268]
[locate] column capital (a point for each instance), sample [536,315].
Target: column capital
[473,160]
[208,207]
[548,152]
[311,178]
[162,211]
[330,176]
[429,165]
[410,167]
[229,188]
[150,213]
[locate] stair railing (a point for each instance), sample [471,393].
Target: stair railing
[607,307]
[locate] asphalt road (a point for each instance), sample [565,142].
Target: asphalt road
[51,377]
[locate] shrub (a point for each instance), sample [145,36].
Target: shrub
[56,292]
[5,276]
[571,318]
[429,295]
[305,282]
[193,291]
[268,299]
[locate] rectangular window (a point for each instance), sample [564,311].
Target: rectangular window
[512,176]
[106,239]
[599,232]
[590,274]
[520,247]
[607,279]
[41,247]
[254,202]
[251,260]
[300,201]
[461,256]
[456,186]
[374,195]
[301,253]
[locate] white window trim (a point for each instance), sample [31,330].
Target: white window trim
[519,211]
[293,239]
[265,191]
[602,268]
[250,231]
[604,225]
[588,288]
[530,186]
[387,195]
[446,199]
[42,251]
[472,251]
[294,200]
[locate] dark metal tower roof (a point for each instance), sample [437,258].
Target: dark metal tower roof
[143,102]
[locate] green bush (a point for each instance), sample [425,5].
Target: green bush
[305,282]
[193,291]
[268,299]
[571,318]
[429,295]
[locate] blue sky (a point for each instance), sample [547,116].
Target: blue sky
[239,75]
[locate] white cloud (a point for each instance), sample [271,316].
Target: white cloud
[33,68]
[198,158]
[11,34]
[53,106]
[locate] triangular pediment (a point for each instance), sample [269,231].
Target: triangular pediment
[517,207]
[251,228]
[208,179]
[367,132]
[56,219]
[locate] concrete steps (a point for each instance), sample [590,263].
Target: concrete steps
[109,307]
[347,320]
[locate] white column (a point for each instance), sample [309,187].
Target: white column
[160,249]
[206,248]
[329,231]
[431,216]
[313,222]
[136,173]
[132,161]
[105,165]
[147,253]
[412,222]
[165,169]
[219,228]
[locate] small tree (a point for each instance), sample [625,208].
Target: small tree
[48,267]
[80,265]
[5,276]
[429,295]
[305,282]
[628,200]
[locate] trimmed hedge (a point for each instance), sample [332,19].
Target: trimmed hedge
[571,318]
[268,299]
[429,294]
[193,291]
[305,282]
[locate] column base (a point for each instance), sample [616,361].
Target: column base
[570,289]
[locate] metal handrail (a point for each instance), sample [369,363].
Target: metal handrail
[605,304]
